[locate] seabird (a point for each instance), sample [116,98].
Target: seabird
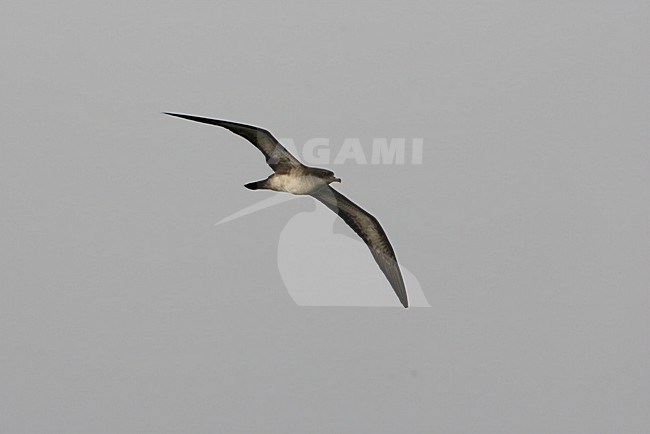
[291,176]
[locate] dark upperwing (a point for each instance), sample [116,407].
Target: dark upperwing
[371,232]
[276,155]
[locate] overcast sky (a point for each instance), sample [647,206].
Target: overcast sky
[124,309]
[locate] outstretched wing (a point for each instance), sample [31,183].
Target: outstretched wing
[276,155]
[369,229]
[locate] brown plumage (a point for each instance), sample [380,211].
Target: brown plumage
[293,177]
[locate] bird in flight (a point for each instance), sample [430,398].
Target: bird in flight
[291,176]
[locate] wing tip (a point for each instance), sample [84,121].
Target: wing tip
[178,115]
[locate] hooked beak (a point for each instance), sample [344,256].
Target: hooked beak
[337,180]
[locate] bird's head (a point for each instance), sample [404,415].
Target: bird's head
[331,177]
[326,175]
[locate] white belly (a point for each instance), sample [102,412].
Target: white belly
[295,184]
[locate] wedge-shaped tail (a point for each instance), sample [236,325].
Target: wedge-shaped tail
[257,185]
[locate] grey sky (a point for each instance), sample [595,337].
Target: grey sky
[124,309]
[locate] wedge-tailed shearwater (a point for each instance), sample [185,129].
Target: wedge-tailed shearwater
[291,176]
